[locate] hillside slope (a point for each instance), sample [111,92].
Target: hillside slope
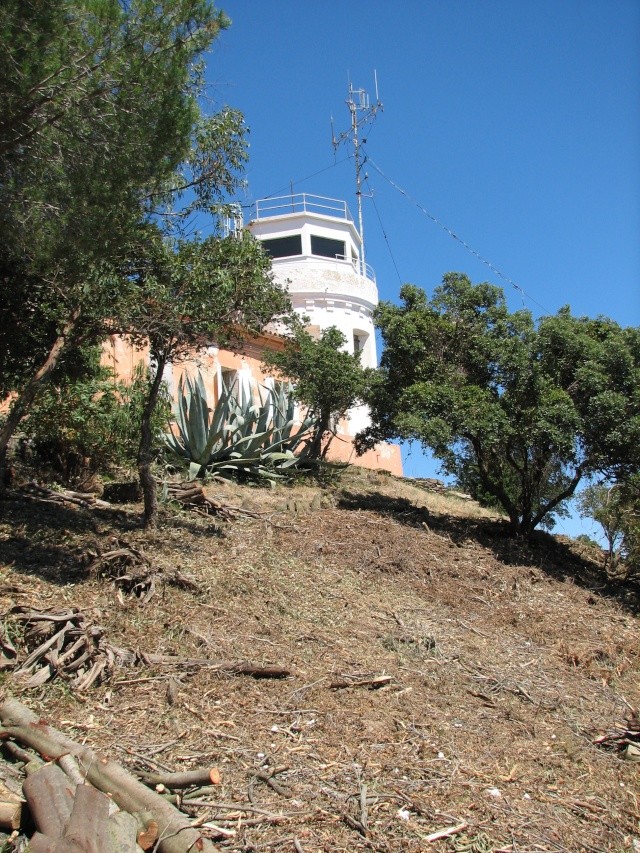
[442,675]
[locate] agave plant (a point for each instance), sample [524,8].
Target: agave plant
[256,437]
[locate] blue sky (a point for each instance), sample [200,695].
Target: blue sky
[514,123]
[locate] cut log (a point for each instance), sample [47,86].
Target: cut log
[188,779]
[40,843]
[86,831]
[10,813]
[49,793]
[122,829]
[176,834]
[148,836]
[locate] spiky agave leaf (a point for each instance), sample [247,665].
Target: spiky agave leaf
[258,435]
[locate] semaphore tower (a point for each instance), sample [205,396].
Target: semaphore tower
[317,253]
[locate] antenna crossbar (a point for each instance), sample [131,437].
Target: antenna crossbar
[362,113]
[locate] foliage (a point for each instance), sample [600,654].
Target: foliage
[602,503]
[86,422]
[100,130]
[193,293]
[102,137]
[525,410]
[241,435]
[616,508]
[326,379]
[630,499]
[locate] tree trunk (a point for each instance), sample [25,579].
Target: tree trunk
[322,428]
[493,486]
[562,496]
[24,401]
[145,449]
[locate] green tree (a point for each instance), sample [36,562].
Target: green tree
[523,409]
[616,508]
[327,380]
[195,293]
[601,502]
[86,421]
[100,130]
[630,500]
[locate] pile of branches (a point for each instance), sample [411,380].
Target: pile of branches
[61,643]
[65,644]
[131,571]
[36,492]
[193,495]
[624,738]
[79,800]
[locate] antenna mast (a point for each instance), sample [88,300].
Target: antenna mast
[362,113]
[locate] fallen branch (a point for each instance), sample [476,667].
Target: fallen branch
[373,682]
[187,779]
[268,779]
[446,833]
[624,739]
[242,667]
[87,500]
[353,823]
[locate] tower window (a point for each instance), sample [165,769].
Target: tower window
[359,342]
[283,247]
[327,248]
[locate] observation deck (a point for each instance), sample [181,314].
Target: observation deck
[304,228]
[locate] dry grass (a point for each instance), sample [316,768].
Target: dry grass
[506,661]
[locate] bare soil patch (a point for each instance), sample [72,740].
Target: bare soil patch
[443,676]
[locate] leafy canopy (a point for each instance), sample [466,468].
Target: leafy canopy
[616,508]
[100,130]
[327,380]
[196,292]
[520,409]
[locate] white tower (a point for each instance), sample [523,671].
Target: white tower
[316,253]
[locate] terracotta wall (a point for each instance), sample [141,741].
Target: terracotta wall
[213,362]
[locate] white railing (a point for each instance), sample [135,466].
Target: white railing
[362,269]
[301,203]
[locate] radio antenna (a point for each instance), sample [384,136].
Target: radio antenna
[362,113]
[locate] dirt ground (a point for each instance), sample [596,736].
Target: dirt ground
[447,683]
